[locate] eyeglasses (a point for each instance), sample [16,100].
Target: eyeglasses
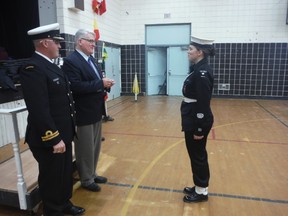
[89,40]
[55,41]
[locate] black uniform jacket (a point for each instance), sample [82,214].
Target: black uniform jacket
[49,102]
[88,90]
[197,116]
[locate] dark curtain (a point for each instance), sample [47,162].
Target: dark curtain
[16,18]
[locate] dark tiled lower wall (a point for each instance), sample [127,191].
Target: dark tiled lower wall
[132,61]
[241,70]
[251,69]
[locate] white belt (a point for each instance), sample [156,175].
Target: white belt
[189,100]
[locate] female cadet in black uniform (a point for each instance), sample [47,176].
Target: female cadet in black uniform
[197,117]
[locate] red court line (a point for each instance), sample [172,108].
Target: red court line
[251,141]
[143,135]
[179,137]
[213,134]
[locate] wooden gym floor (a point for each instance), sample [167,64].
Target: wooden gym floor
[145,160]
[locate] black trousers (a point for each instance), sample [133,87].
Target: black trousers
[198,158]
[55,179]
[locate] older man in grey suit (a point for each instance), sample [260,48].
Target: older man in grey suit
[89,88]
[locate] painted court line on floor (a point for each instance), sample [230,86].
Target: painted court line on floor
[210,194]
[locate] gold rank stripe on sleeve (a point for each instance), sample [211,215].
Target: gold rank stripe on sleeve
[50,135]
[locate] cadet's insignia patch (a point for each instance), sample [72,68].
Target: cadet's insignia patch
[203,72]
[200,115]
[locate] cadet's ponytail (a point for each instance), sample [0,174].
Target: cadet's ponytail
[209,51]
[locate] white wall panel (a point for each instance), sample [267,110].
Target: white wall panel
[109,23]
[227,21]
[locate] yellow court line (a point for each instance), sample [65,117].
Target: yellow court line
[132,192]
[76,185]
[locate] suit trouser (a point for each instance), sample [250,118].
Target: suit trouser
[198,158]
[87,151]
[55,179]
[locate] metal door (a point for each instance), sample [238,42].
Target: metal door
[178,67]
[113,71]
[157,68]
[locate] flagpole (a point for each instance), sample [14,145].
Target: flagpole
[136,83]
[102,57]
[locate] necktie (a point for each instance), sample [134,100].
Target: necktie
[90,61]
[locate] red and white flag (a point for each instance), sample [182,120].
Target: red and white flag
[99,6]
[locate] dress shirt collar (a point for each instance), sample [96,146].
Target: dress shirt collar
[83,54]
[44,56]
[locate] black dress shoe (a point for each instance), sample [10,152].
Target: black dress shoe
[93,187]
[108,118]
[100,179]
[74,210]
[194,197]
[189,190]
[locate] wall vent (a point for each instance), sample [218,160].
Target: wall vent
[78,6]
[167,15]
[224,86]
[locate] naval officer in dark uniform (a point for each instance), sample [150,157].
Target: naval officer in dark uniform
[197,117]
[51,126]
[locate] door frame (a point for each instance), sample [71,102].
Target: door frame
[155,41]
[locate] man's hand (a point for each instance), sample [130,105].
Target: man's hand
[60,147]
[108,83]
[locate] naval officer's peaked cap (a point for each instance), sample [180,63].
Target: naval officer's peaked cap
[201,41]
[46,31]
